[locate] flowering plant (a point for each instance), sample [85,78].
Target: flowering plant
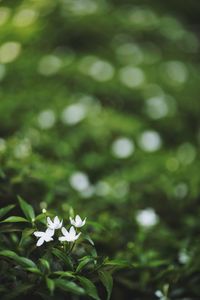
[62,263]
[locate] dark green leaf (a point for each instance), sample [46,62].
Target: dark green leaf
[64,274]
[63,256]
[5,210]
[23,261]
[50,285]
[89,287]
[14,219]
[107,280]
[88,238]
[44,264]
[27,209]
[118,263]
[25,234]
[69,286]
[34,270]
[84,261]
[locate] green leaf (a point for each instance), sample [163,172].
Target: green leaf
[88,238]
[5,210]
[25,234]
[23,261]
[14,219]
[63,256]
[64,274]
[34,270]
[84,261]
[89,287]
[27,209]
[117,263]
[69,286]
[41,218]
[107,280]
[50,285]
[45,264]
[9,228]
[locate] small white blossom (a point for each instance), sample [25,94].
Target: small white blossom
[44,236]
[69,236]
[77,222]
[147,217]
[55,224]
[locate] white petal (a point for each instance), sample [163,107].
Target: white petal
[49,222]
[83,223]
[48,238]
[72,221]
[38,233]
[49,232]
[78,219]
[72,231]
[56,220]
[77,236]
[62,238]
[40,242]
[64,231]
[60,225]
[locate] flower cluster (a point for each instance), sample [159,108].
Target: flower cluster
[68,236]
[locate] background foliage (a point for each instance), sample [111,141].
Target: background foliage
[100,112]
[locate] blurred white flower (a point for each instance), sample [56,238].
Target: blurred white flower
[147,217]
[44,236]
[69,236]
[74,113]
[79,181]
[46,119]
[77,222]
[150,141]
[183,257]
[123,147]
[160,295]
[55,224]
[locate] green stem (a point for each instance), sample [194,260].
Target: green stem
[72,247]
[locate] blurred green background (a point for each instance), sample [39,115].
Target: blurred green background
[99,111]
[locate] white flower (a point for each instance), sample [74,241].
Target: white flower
[44,236]
[56,224]
[69,236]
[147,217]
[77,222]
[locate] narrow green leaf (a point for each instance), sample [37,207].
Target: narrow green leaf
[63,256]
[107,280]
[44,264]
[23,261]
[5,210]
[64,274]
[9,228]
[34,270]
[84,261]
[89,287]
[50,285]
[27,209]
[88,238]
[69,286]
[14,219]
[25,234]
[117,263]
